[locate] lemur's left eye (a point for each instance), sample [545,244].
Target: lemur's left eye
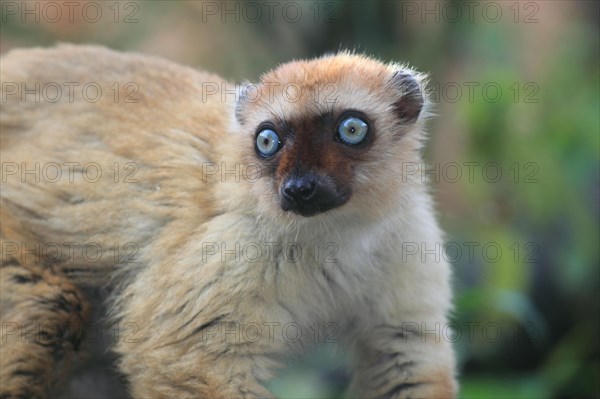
[352,130]
[267,142]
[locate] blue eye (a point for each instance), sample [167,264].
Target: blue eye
[352,130]
[267,142]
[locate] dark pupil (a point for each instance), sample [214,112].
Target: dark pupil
[265,141]
[352,129]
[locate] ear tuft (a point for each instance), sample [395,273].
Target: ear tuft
[239,111]
[410,96]
[241,100]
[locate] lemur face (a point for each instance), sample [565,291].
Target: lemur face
[312,156]
[320,128]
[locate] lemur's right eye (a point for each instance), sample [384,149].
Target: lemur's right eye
[267,142]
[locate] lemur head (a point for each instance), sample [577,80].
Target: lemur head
[332,133]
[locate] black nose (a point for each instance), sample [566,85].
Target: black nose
[300,190]
[308,194]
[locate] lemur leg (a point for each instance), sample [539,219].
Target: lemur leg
[42,317]
[196,339]
[405,362]
[199,374]
[196,366]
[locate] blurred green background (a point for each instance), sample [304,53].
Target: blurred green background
[516,145]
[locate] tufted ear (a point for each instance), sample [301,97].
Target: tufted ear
[246,93]
[240,102]
[410,98]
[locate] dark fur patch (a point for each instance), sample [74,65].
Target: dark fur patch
[206,325]
[20,279]
[12,261]
[198,329]
[397,368]
[310,145]
[400,388]
[410,102]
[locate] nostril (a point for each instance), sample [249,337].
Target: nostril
[299,190]
[289,190]
[307,189]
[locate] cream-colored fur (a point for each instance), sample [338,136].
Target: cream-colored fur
[207,326]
